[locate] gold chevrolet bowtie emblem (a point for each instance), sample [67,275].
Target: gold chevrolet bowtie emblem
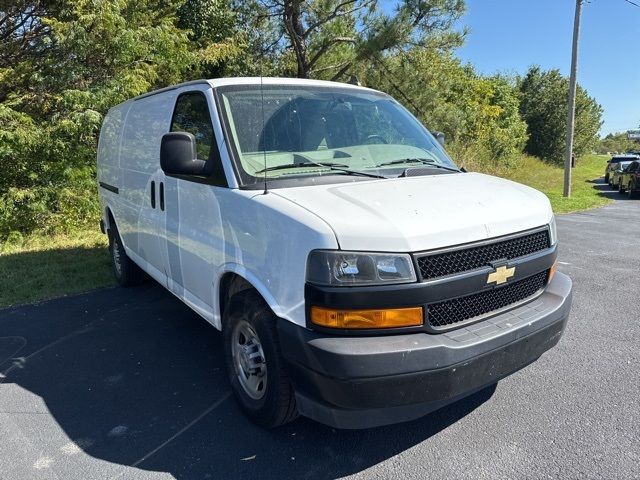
[501,275]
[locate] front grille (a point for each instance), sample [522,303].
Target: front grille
[451,312]
[464,259]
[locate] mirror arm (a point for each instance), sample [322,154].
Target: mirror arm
[197,167]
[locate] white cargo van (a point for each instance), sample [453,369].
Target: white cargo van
[358,276]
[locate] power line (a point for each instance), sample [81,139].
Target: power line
[633,3]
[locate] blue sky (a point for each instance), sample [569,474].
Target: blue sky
[510,35]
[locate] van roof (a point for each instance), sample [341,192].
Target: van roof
[223,82]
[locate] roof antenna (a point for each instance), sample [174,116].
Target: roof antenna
[264,140]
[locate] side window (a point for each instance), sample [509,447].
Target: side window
[192,115]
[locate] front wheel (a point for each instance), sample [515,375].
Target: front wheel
[606,178]
[255,366]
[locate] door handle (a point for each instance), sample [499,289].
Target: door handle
[162,196]
[153,194]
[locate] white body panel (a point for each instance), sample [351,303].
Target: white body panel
[423,213]
[206,231]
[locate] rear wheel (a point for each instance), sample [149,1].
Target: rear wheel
[126,272]
[255,366]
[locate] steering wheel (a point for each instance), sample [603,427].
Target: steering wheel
[380,138]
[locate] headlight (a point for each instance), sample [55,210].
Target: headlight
[553,233]
[336,268]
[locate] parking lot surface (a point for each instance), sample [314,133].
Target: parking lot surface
[129,383]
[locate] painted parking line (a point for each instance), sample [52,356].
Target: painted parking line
[148,455]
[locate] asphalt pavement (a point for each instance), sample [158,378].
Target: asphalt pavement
[129,383]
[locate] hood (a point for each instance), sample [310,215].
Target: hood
[421,213]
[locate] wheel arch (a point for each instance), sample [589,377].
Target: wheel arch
[234,278]
[109,219]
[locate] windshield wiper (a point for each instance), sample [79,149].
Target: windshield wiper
[330,165]
[300,165]
[424,161]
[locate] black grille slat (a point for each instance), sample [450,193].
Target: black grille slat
[452,312]
[457,261]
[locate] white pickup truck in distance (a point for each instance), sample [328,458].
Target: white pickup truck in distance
[358,276]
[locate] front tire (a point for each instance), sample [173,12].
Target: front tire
[126,272]
[606,178]
[255,366]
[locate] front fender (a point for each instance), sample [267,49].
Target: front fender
[255,282]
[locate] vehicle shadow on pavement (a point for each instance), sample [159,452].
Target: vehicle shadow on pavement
[604,190]
[133,377]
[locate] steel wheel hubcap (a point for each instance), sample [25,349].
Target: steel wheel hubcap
[248,360]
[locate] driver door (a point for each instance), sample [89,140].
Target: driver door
[193,220]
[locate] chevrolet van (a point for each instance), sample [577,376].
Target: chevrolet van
[358,276]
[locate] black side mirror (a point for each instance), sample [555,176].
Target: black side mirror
[439,137]
[178,154]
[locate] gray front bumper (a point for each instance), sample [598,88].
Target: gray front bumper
[358,382]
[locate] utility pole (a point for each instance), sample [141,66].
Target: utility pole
[572,100]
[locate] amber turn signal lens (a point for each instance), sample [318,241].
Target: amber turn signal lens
[387,318]
[552,271]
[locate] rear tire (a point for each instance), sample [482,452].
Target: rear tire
[255,367]
[127,273]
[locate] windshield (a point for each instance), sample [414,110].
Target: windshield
[623,165]
[320,131]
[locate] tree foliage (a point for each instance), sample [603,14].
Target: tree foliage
[544,107]
[61,69]
[64,64]
[452,98]
[617,143]
[327,38]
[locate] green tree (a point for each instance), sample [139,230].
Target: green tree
[544,107]
[62,65]
[473,111]
[326,38]
[213,27]
[617,142]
